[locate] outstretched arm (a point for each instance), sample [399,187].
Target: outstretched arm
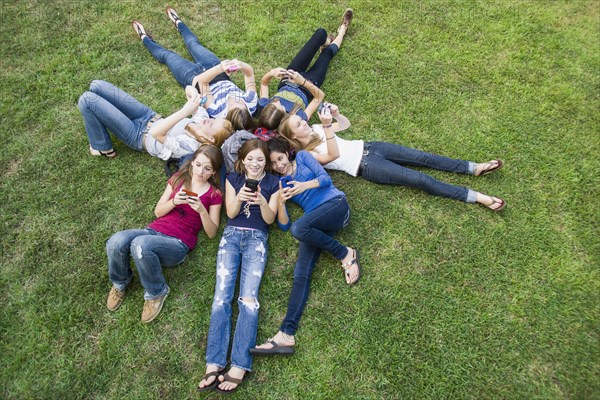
[161,128]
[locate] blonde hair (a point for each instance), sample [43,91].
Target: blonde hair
[285,130]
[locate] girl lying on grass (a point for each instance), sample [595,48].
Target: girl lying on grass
[251,198]
[191,201]
[106,107]
[299,92]
[208,74]
[383,162]
[326,211]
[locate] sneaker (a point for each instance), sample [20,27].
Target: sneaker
[115,299]
[152,307]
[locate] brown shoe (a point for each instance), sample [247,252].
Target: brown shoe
[347,17]
[152,307]
[115,299]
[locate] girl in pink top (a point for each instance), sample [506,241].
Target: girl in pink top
[191,201]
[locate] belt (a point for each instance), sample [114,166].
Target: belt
[362,162]
[146,129]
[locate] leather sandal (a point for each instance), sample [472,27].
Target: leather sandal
[495,201]
[346,267]
[328,41]
[139,29]
[172,14]
[499,165]
[213,384]
[108,154]
[276,349]
[230,379]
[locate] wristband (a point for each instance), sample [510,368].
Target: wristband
[174,201]
[304,82]
[330,138]
[327,126]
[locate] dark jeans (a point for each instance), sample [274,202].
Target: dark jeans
[183,70]
[385,163]
[315,232]
[316,74]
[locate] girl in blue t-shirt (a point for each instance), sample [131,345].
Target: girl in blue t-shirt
[326,211]
[251,198]
[299,91]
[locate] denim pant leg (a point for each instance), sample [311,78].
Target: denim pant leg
[318,71]
[304,57]
[228,260]
[183,70]
[254,259]
[150,253]
[106,107]
[330,216]
[204,57]
[307,259]
[377,168]
[117,249]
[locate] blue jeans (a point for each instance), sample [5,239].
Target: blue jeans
[384,163]
[150,251]
[248,248]
[106,107]
[315,232]
[183,70]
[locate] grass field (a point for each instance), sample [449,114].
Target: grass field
[456,302]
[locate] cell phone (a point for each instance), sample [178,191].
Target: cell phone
[203,100]
[285,181]
[321,105]
[252,184]
[190,193]
[233,68]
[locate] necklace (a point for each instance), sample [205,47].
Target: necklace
[246,209]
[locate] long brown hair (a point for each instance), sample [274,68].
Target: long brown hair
[240,119]
[184,175]
[251,145]
[285,130]
[271,116]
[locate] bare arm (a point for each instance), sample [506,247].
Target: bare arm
[278,73]
[317,93]
[161,128]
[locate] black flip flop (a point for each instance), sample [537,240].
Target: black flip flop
[355,260]
[275,350]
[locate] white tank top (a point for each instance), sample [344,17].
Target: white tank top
[351,152]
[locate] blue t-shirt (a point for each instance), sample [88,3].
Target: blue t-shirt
[269,184]
[308,168]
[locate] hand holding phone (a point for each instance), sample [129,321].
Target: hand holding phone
[285,181]
[189,193]
[252,184]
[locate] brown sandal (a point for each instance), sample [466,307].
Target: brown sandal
[499,165]
[213,384]
[230,379]
[346,267]
[496,200]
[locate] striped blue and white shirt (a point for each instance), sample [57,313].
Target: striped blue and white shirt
[221,91]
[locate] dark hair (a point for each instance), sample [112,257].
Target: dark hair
[271,116]
[281,145]
[247,147]
[241,119]
[184,175]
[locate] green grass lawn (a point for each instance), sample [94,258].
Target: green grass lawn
[456,302]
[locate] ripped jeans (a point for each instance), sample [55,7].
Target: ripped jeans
[150,250]
[248,248]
